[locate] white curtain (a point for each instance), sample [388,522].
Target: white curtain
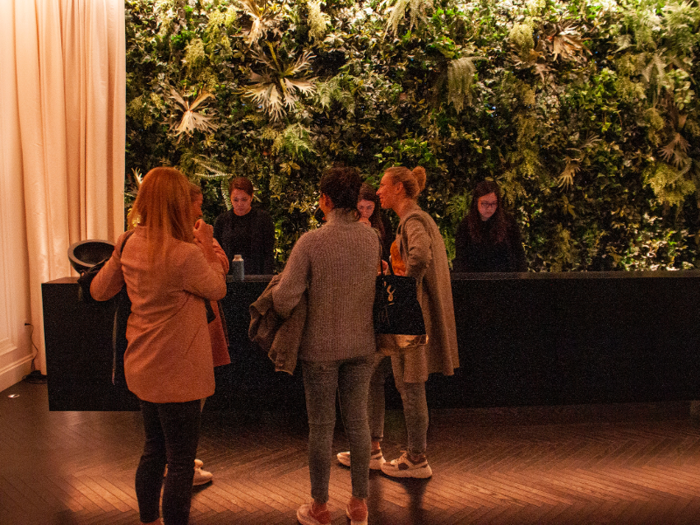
[62,85]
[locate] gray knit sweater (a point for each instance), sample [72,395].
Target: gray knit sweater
[337,264]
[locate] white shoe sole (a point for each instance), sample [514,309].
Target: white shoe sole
[417,473]
[374,463]
[201,477]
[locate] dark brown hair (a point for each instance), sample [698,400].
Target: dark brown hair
[474,222]
[241,183]
[368,193]
[342,185]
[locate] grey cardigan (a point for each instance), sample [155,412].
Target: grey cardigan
[337,266]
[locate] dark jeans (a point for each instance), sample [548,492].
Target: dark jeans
[350,379]
[172,434]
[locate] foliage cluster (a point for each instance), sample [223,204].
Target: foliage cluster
[585,111]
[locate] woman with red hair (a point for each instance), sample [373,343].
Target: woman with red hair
[170,270]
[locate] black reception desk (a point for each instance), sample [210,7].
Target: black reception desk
[524,339]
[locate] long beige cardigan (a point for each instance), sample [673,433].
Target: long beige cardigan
[423,251]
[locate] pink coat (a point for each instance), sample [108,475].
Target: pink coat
[219,345]
[169,355]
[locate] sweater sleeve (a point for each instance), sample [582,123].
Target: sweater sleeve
[221,255]
[220,226]
[418,248]
[294,279]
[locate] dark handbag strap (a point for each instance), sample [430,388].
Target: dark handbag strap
[126,238]
[86,277]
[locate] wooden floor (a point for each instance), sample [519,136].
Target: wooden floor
[625,464]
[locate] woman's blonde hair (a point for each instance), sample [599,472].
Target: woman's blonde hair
[413,181]
[163,207]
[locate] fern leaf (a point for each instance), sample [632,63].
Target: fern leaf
[305,86]
[318,20]
[200,99]
[418,11]
[302,63]
[460,77]
[566,179]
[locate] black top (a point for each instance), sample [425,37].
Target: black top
[487,256]
[251,235]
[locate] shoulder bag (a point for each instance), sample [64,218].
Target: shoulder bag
[398,318]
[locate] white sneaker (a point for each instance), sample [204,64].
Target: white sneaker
[201,477]
[403,467]
[376,460]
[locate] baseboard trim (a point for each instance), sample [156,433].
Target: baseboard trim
[15,372]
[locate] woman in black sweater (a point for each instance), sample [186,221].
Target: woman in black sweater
[488,239]
[246,231]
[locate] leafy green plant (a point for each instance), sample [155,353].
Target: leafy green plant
[584,111]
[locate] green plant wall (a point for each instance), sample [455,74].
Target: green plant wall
[585,112]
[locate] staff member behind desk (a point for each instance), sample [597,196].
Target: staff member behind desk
[170,270]
[488,239]
[247,231]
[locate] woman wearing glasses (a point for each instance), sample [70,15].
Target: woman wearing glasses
[488,239]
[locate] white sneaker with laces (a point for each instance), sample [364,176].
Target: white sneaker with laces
[403,467]
[376,460]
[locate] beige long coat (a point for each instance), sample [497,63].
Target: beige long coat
[423,251]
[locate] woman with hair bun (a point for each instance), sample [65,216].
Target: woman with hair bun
[488,239]
[421,250]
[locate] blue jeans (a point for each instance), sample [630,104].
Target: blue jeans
[415,406]
[376,406]
[172,435]
[415,409]
[350,378]
[415,412]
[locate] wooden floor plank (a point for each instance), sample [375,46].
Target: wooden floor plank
[73,468]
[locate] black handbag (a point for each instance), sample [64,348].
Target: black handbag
[121,316]
[398,318]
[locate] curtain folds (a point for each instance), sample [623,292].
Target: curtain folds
[65,78]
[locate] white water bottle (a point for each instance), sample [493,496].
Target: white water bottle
[237,268]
